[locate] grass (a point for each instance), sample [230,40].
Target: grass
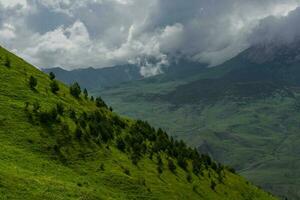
[30,170]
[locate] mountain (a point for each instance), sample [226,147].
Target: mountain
[58,144]
[98,78]
[244,113]
[107,77]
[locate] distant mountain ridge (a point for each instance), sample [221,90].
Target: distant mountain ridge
[98,78]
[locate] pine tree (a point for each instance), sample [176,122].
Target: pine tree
[54,87]
[51,76]
[159,165]
[75,90]
[86,94]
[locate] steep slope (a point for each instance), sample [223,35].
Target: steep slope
[244,113]
[57,146]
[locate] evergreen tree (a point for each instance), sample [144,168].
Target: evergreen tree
[75,90]
[54,87]
[159,165]
[100,103]
[196,166]
[86,94]
[51,76]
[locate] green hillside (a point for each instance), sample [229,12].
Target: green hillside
[241,113]
[56,146]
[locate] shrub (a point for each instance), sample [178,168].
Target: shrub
[32,82]
[51,76]
[75,90]
[7,62]
[54,87]
[127,172]
[48,117]
[213,185]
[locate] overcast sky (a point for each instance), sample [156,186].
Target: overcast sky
[99,33]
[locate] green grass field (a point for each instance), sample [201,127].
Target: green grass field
[30,169]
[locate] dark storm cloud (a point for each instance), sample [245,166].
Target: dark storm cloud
[83,33]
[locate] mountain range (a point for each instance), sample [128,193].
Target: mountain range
[244,112]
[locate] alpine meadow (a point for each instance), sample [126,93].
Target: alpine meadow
[149,99]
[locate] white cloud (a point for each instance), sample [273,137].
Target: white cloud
[11,3]
[7,32]
[100,33]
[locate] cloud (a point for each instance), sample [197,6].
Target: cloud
[101,33]
[280,30]
[7,32]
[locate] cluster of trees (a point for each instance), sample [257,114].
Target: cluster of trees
[75,89]
[144,139]
[137,140]
[33,82]
[50,117]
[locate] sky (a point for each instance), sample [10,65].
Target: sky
[150,33]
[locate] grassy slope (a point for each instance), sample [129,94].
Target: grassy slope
[29,171]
